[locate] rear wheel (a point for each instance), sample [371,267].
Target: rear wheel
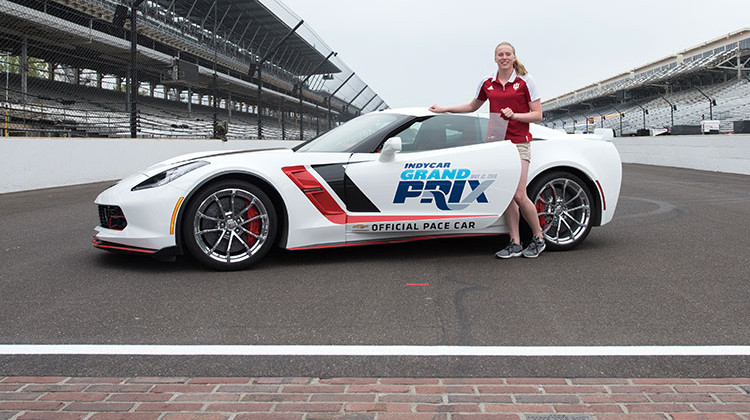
[230,225]
[564,206]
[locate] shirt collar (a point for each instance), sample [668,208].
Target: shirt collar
[512,76]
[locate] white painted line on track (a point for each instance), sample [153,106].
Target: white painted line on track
[368,350]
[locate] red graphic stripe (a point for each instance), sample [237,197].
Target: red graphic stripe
[315,192]
[395,241]
[601,190]
[402,218]
[98,244]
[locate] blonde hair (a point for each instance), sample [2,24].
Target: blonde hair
[520,69]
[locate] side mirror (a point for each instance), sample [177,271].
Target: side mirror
[390,148]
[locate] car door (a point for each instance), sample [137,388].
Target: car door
[446,181]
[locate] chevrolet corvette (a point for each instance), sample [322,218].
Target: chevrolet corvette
[384,177]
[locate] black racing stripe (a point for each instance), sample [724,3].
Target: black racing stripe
[333,174]
[355,200]
[233,152]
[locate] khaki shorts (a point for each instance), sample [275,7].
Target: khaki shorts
[524,149]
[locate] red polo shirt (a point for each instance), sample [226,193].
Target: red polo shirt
[516,95]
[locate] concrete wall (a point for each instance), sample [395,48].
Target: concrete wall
[715,152]
[31,163]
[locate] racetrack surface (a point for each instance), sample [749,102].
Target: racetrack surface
[669,270]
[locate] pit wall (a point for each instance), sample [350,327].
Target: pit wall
[711,152]
[34,163]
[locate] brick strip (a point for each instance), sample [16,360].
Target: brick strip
[373,398]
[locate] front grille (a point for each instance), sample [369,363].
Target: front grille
[111,217]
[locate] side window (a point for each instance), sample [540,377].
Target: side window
[440,132]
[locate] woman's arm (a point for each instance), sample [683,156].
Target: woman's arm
[534,114]
[460,109]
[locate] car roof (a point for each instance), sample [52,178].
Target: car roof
[537,131]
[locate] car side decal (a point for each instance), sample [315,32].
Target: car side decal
[328,207]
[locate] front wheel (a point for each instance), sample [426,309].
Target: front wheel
[563,204]
[230,225]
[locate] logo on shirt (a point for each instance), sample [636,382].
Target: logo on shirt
[516,86]
[490,88]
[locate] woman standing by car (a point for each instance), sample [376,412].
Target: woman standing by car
[513,95]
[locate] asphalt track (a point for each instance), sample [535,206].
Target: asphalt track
[670,270]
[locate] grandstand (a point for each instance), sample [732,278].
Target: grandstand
[674,95]
[200,68]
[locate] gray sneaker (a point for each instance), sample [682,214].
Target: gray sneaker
[510,251]
[535,248]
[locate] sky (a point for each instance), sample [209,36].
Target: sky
[420,52]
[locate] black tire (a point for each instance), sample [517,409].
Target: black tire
[229,225]
[565,206]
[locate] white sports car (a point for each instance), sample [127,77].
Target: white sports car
[387,176]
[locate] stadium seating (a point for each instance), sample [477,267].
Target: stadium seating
[732,104]
[77,107]
[59,108]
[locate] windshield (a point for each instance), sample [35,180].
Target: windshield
[346,137]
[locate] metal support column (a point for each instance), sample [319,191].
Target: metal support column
[301,87]
[368,102]
[229,106]
[331,96]
[24,67]
[346,107]
[258,67]
[215,76]
[134,69]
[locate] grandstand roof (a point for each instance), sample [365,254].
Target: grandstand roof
[250,22]
[85,34]
[708,56]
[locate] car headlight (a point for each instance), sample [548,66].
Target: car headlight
[169,175]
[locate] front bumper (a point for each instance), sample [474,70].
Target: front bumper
[149,214]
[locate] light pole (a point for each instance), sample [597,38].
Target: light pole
[711,103]
[645,112]
[622,114]
[602,118]
[672,109]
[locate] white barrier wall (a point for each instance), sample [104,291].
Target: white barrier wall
[712,152]
[33,163]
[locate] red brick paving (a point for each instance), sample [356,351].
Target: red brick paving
[175,398]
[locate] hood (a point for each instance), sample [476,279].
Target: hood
[157,167]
